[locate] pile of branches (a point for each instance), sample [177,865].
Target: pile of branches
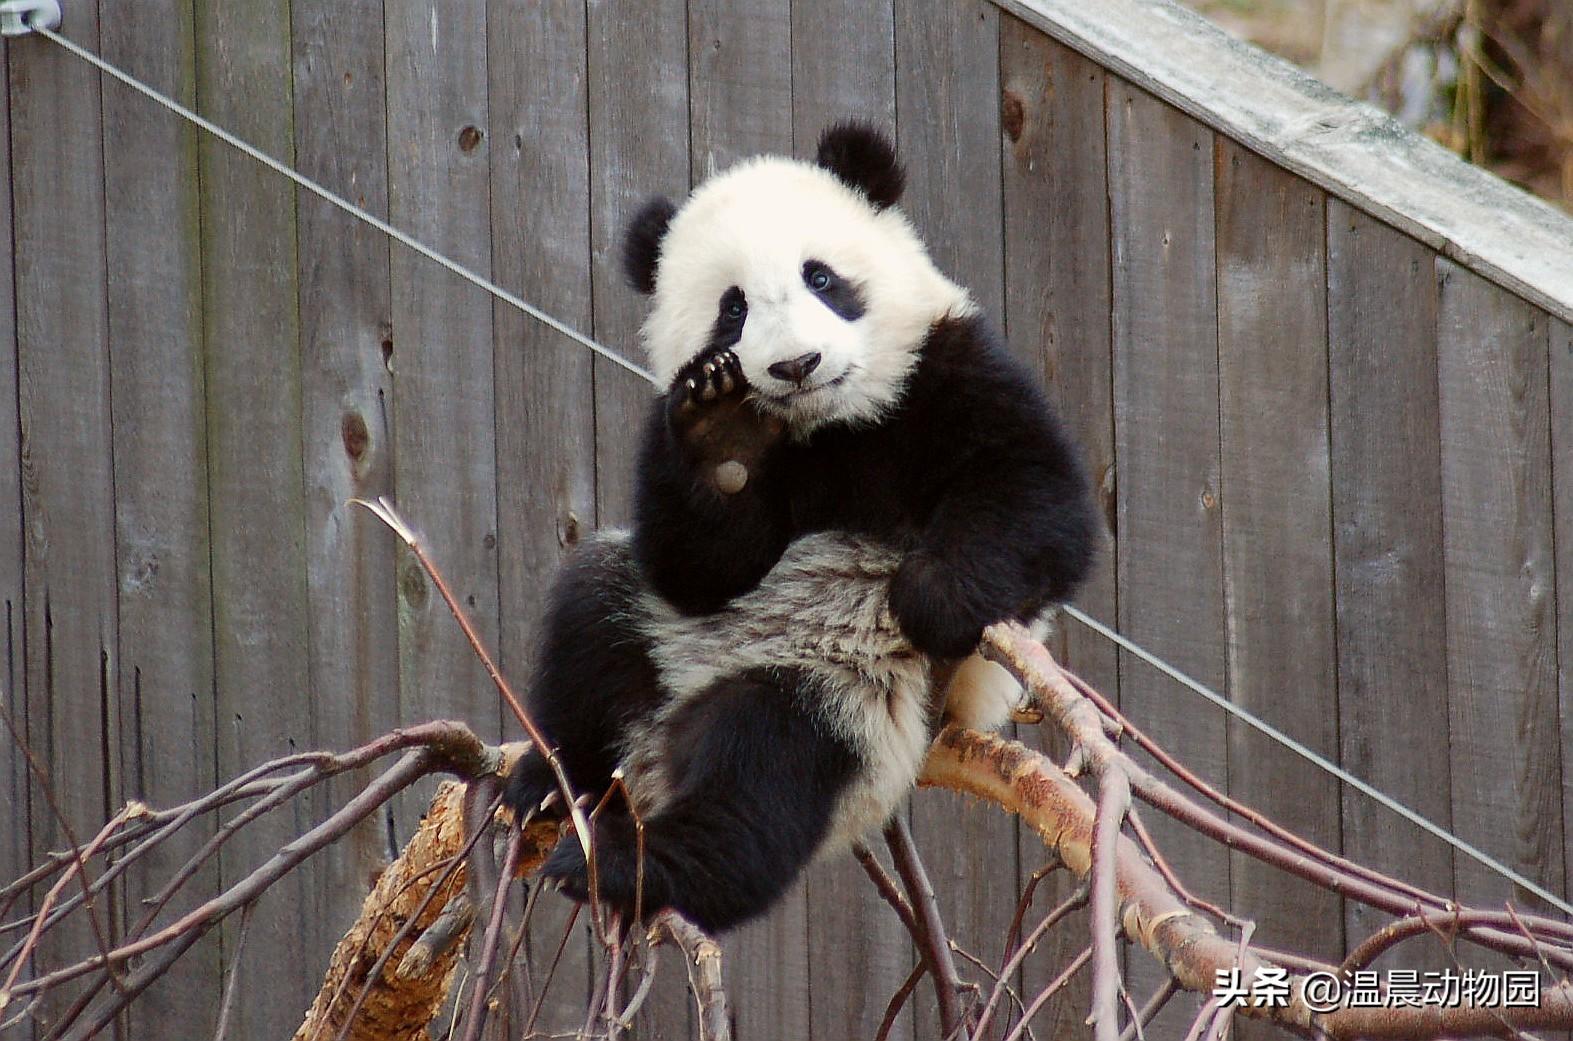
[444,901]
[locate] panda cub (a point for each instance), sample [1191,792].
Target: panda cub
[847,479]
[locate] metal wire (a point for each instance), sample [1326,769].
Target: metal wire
[515,301]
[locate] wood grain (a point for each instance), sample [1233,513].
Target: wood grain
[1561,354]
[1169,480]
[1277,532]
[347,429]
[62,332]
[1056,218]
[843,67]
[948,132]
[545,396]
[164,678]
[251,359]
[1387,541]
[1500,578]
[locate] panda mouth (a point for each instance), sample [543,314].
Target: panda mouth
[800,394]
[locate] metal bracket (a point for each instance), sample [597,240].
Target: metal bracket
[20,17]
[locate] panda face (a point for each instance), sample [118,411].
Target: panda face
[824,296]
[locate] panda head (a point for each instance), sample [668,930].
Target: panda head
[806,271]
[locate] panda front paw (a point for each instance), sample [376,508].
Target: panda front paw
[565,869]
[936,607]
[704,381]
[717,428]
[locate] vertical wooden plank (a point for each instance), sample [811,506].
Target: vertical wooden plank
[14,850]
[857,953]
[1277,532]
[1499,576]
[638,64]
[545,400]
[251,348]
[67,474]
[739,82]
[638,102]
[15,782]
[165,674]
[947,125]
[1170,564]
[1057,308]
[839,75]
[1387,544]
[740,90]
[444,452]
[346,420]
[1562,503]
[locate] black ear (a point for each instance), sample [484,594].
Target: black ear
[642,242]
[865,159]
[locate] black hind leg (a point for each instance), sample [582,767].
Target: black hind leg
[756,776]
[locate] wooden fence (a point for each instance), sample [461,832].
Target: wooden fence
[1324,376]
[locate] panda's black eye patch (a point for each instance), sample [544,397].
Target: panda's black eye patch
[732,313]
[837,293]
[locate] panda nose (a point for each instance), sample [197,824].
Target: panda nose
[796,370]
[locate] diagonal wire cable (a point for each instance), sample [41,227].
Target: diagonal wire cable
[403,238]
[513,300]
[1256,722]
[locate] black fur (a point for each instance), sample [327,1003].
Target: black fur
[970,474]
[863,158]
[839,294]
[755,768]
[642,242]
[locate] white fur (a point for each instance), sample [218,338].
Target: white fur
[824,610]
[753,227]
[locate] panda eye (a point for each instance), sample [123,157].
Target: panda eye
[733,305]
[818,279]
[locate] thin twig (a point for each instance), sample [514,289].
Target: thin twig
[1053,918]
[931,938]
[1154,1005]
[234,973]
[1048,992]
[899,999]
[1113,801]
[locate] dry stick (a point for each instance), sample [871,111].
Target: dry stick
[624,1020]
[1113,801]
[234,973]
[1013,648]
[1018,780]
[551,970]
[899,999]
[375,972]
[1013,933]
[999,981]
[886,886]
[1048,992]
[704,976]
[930,934]
[410,768]
[1053,918]
[488,954]
[384,511]
[1154,1005]
[100,937]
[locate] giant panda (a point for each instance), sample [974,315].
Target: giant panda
[846,479]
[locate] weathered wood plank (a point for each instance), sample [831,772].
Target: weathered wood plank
[346,406]
[1277,536]
[545,396]
[1056,214]
[1387,542]
[1355,152]
[1561,350]
[857,952]
[1166,435]
[252,359]
[838,74]
[1500,578]
[740,91]
[638,54]
[639,147]
[67,470]
[739,82]
[444,460]
[947,126]
[14,851]
[164,679]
